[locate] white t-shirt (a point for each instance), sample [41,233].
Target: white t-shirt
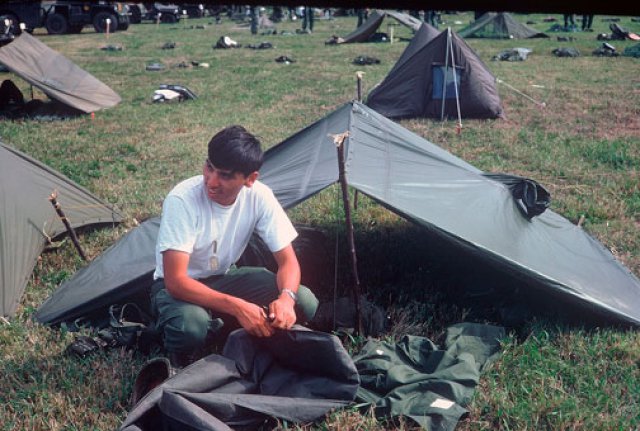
[215,235]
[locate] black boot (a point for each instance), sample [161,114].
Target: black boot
[152,374]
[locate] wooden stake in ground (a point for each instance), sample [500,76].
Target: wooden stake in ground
[72,233]
[338,140]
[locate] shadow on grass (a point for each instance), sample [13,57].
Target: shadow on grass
[408,267]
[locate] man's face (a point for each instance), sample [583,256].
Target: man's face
[223,185]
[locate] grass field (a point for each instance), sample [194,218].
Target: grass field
[583,146]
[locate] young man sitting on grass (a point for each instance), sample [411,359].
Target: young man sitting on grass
[207,221]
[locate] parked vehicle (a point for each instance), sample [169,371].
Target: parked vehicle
[13,13]
[168,13]
[71,16]
[61,17]
[194,10]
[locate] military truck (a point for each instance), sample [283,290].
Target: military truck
[168,13]
[61,17]
[14,13]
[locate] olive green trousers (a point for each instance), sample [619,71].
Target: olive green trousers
[184,326]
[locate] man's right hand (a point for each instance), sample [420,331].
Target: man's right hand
[253,319]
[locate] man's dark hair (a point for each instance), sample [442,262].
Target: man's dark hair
[236,149]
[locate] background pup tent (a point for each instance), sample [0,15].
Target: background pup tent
[498,220]
[423,83]
[374,21]
[501,25]
[28,219]
[57,76]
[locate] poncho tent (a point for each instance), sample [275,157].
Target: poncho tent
[374,21]
[475,213]
[27,218]
[499,26]
[57,76]
[423,83]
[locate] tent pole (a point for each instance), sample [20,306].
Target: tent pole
[335,279]
[72,233]
[455,84]
[444,77]
[359,80]
[339,141]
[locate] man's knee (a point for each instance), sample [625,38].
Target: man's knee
[307,304]
[187,330]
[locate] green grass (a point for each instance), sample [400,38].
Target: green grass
[576,380]
[584,146]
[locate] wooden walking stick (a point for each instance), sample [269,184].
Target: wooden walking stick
[56,205]
[338,140]
[359,93]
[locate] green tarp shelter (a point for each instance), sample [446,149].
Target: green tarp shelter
[374,21]
[56,75]
[28,219]
[479,216]
[500,25]
[437,77]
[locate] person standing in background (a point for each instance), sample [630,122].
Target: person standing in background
[307,20]
[587,21]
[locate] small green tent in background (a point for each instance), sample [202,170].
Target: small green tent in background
[423,83]
[499,26]
[56,75]
[28,219]
[371,25]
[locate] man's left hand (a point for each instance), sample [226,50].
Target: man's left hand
[281,312]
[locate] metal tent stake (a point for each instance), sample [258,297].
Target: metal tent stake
[54,201]
[339,141]
[449,54]
[455,80]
